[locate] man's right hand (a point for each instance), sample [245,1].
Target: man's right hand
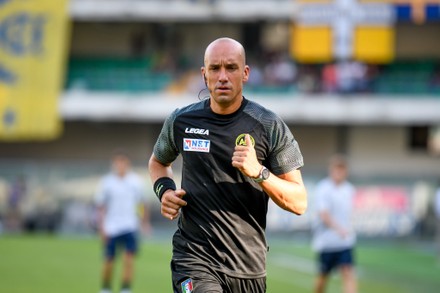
[172,202]
[103,236]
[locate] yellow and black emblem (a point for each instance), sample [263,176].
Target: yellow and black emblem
[241,140]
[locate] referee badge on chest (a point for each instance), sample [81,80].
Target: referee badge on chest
[241,140]
[187,286]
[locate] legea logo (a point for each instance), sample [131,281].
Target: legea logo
[197,131]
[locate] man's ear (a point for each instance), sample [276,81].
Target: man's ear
[246,73]
[204,76]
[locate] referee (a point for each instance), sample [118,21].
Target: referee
[236,155]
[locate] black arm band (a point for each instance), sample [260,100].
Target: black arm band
[163,184]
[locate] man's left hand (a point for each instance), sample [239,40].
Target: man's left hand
[245,159]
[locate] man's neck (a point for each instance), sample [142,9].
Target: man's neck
[226,108]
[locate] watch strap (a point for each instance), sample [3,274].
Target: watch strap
[260,177]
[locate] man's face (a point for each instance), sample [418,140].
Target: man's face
[225,72]
[338,173]
[121,164]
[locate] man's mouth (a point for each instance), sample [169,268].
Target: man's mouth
[223,88]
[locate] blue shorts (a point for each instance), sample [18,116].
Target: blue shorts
[331,260]
[127,241]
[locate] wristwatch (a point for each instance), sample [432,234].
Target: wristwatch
[264,174]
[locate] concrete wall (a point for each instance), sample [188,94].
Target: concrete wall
[89,141]
[385,150]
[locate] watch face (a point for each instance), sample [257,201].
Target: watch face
[265,173]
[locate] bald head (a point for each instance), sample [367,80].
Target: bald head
[225,72]
[226,44]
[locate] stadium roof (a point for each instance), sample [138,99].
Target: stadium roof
[142,10]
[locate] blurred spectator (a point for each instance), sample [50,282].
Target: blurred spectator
[119,198]
[333,235]
[256,76]
[17,192]
[351,76]
[40,210]
[78,217]
[280,71]
[329,78]
[308,80]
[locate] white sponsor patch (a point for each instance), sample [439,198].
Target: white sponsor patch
[196,145]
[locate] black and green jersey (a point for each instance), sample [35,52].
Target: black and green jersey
[223,225]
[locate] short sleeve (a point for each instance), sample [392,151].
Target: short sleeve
[165,149]
[285,154]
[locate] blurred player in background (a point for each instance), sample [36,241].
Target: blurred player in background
[333,236]
[236,155]
[121,204]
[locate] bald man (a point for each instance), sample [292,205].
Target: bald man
[236,155]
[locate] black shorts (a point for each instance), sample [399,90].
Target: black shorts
[199,279]
[331,260]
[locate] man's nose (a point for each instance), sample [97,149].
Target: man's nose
[223,76]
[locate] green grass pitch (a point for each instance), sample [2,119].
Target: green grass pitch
[45,264]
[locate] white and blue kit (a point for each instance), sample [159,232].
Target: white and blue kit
[121,197]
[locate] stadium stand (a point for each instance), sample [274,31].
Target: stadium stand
[137,75]
[409,78]
[116,74]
